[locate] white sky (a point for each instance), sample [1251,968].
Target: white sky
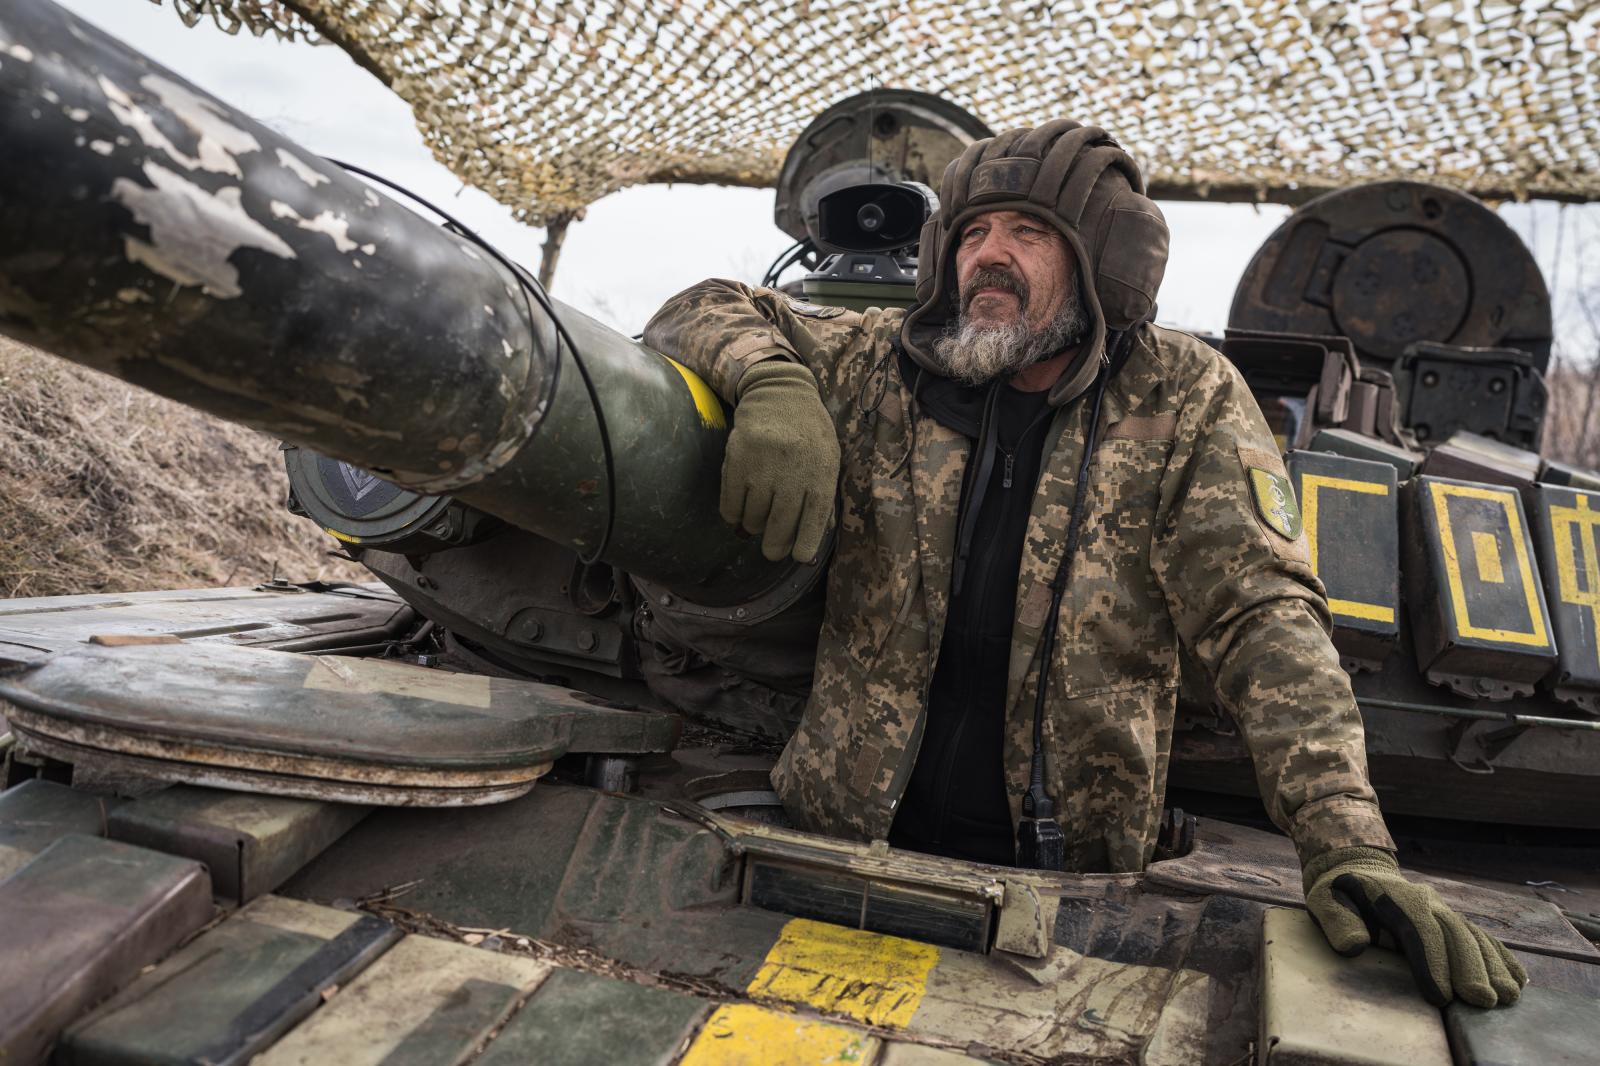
[639,246]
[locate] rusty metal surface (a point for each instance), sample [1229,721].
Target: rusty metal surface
[1393,263]
[1257,865]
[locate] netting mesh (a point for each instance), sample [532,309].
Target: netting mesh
[549,105]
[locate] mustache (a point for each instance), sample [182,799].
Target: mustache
[991,278]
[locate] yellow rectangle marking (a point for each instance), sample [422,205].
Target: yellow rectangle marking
[1566,523]
[1310,486]
[870,977]
[1370,612]
[1536,635]
[1486,550]
[743,1034]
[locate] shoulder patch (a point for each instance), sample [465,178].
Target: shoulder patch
[811,310]
[1275,501]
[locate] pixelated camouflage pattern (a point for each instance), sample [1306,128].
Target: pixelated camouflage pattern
[1173,551]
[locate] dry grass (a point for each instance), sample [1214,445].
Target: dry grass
[105,488]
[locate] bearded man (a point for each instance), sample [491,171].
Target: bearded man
[1041,496]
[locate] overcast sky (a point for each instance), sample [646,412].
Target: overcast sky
[639,246]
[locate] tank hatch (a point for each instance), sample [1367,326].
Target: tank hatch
[316,727]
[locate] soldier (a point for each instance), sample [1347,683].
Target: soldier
[1042,496]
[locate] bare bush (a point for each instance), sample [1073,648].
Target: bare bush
[106,488]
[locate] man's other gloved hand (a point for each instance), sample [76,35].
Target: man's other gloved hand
[781,469]
[1449,956]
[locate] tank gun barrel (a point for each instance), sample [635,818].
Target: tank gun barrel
[152,232]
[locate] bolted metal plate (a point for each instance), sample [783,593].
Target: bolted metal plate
[1393,263]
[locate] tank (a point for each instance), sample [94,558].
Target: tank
[508,801]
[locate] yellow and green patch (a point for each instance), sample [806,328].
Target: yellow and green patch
[1275,502]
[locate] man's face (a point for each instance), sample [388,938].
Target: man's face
[1013,267]
[1018,295]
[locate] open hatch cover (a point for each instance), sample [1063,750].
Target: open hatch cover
[320,727]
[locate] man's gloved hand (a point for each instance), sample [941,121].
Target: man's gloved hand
[781,469]
[1449,956]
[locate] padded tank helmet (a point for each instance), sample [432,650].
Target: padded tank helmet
[1080,181]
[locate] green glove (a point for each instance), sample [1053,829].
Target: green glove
[781,469]
[1449,956]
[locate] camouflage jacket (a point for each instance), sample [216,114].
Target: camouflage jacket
[1174,551]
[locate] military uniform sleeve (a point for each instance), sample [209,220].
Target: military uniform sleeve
[719,329]
[1246,603]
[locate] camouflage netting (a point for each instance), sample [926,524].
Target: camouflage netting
[550,104]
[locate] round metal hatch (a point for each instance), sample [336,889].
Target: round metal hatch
[1394,263]
[883,135]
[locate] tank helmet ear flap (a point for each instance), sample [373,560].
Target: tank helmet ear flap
[1080,180]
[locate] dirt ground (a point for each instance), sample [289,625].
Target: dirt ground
[105,488]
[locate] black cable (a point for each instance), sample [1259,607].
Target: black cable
[795,253]
[1040,842]
[532,292]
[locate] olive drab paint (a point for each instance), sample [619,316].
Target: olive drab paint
[1173,542]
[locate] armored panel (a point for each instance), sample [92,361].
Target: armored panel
[1350,510]
[80,921]
[1492,391]
[657,1022]
[327,728]
[250,843]
[1547,1028]
[1564,522]
[232,991]
[1473,589]
[1470,457]
[1356,446]
[1320,1009]
[426,1002]
[35,814]
[1554,473]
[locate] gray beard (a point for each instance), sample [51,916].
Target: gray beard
[976,355]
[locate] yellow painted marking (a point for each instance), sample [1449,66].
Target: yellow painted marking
[873,978]
[705,400]
[1310,486]
[1535,635]
[743,1034]
[1572,529]
[336,535]
[1486,549]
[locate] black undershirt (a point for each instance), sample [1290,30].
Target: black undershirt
[955,804]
